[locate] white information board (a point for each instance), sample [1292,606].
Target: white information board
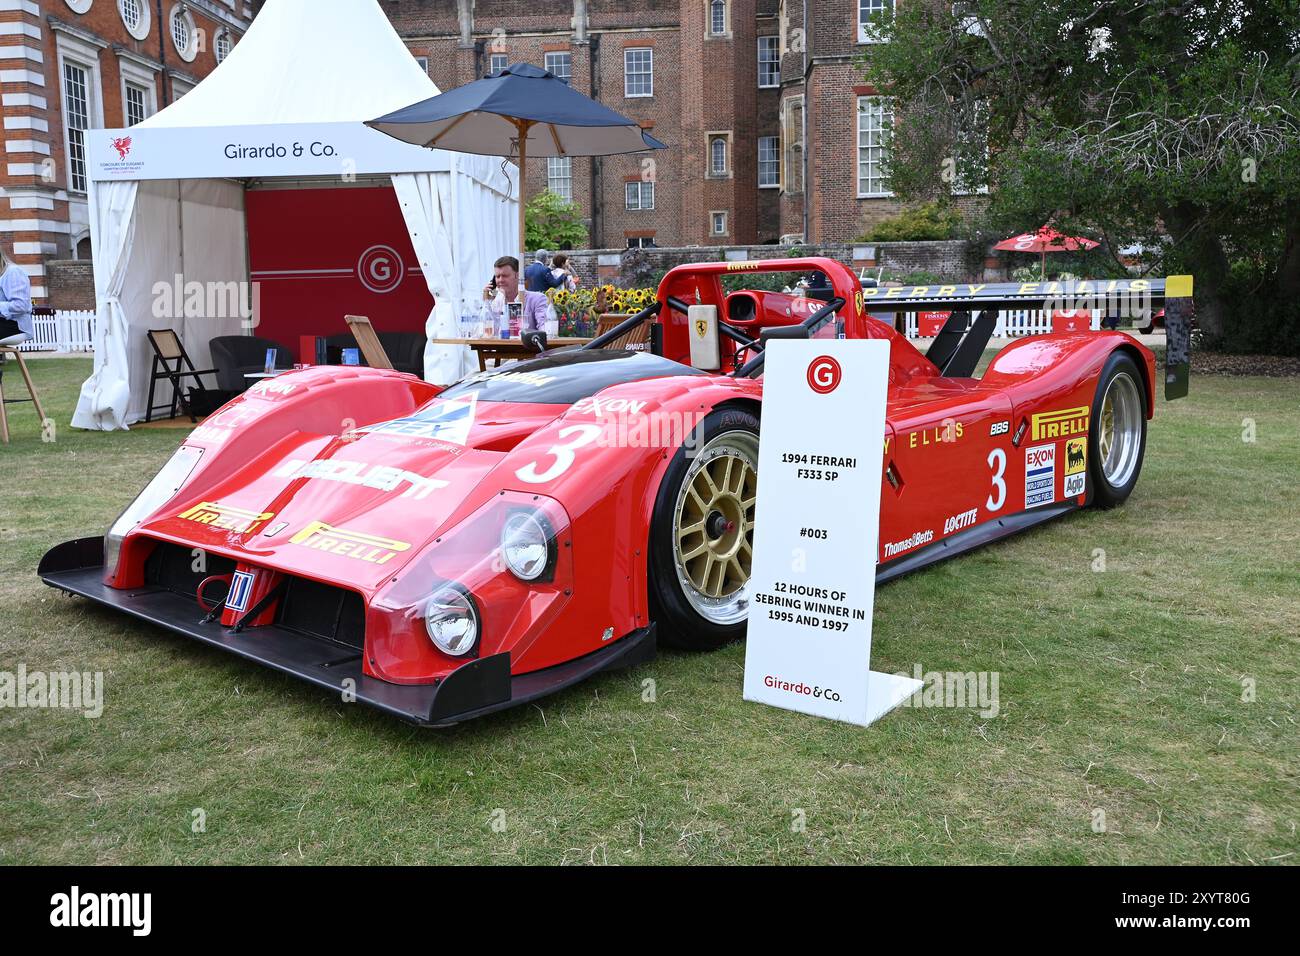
[813,584]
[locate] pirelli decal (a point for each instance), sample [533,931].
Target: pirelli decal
[226,517]
[350,544]
[1059,424]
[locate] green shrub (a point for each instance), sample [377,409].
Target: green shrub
[552,222]
[926,222]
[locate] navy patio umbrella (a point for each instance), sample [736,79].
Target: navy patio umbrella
[519,111]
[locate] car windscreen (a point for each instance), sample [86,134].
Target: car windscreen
[564,377]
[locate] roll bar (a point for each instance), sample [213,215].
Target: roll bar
[809,325]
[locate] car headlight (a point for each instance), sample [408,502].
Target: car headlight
[527,545]
[452,621]
[157,493]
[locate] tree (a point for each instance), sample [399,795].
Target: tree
[553,222]
[1170,124]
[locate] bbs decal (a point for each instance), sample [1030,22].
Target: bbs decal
[1000,428]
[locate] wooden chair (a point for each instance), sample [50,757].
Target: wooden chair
[638,340]
[172,363]
[9,346]
[368,340]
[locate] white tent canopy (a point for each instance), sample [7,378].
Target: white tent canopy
[167,195]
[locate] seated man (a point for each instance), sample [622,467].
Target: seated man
[512,306]
[16,300]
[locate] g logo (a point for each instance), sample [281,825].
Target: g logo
[380,269]
[824,375]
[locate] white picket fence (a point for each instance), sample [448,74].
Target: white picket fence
[1013,323]
[73,331]
[61,332]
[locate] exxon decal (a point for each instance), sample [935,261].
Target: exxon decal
[445,421]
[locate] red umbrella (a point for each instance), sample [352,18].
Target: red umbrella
[1045,240]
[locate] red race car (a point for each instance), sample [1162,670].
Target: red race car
[441,553]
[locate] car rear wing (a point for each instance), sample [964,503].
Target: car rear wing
[1114,298]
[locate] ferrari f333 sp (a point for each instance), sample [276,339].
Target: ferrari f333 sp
[441,553]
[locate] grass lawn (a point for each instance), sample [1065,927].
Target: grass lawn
[1121,697]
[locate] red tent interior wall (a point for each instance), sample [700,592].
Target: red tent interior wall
[317,255]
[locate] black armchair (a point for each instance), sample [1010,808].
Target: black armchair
[405,349]
[235,355]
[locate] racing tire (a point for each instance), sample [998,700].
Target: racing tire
[1117,438]
[702,534]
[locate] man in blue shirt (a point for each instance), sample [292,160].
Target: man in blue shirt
[538,276]
[15,299]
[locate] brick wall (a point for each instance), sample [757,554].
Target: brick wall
[71,284]
[956,260]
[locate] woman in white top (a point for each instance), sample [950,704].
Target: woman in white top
[560,270]
[15,299]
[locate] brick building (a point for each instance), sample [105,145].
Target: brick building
[687,70]
[772,132]
[71,65]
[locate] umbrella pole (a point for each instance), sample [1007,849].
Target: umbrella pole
[523,126]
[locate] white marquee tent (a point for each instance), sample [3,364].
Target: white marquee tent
[167,195]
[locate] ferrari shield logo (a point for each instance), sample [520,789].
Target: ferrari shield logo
[701,328]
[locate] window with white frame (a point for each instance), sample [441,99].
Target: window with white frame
[561,64]
[559,176]
[498,62]
[792,140]
[638,72]
[185,33]
[135,17]
[139,88]
[423,61]
[717,155]
[76,117]
[769,62]
[769,162]
[136,104]
[718,223]
[221,48]
[718,17]
[875,121]
[639,194]
[870,13]
[640,242]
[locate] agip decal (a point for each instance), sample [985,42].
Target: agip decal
[1076,467]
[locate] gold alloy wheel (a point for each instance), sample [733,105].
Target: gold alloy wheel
[713,526]
[1119,430]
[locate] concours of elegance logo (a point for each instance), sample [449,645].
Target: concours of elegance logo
[123,146]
